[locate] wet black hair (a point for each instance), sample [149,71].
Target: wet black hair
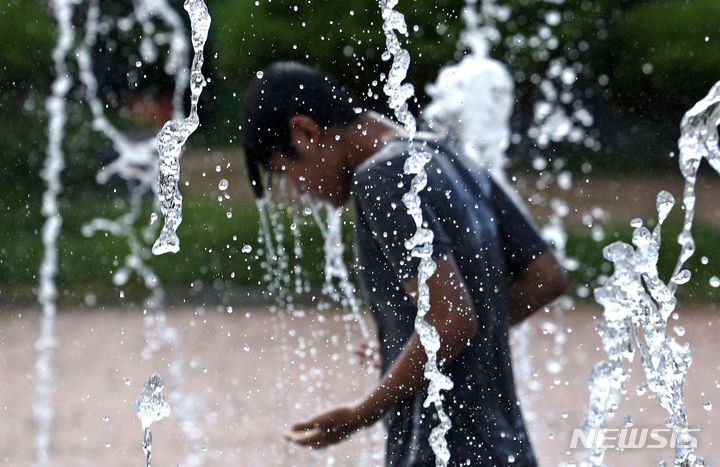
[280,92]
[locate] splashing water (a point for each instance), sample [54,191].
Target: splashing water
[477,92]
[637,303]
[285,275]
[136,164]
[335,268]
[47,291]
[175,133]
[151,407]
[420,244]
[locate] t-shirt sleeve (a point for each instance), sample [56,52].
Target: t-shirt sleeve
[522,242]
[378,192]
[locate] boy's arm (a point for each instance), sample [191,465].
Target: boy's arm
[540,283]
[451,313]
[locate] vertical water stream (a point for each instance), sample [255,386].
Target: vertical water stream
[52,169]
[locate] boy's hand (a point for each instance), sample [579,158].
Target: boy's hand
[326,428]
[368,353]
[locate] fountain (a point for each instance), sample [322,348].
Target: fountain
[637,302]
[175,133]
[549,127]
[47,292]
[151,407]
[420,244]
[135,164]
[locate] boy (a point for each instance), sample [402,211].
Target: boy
[493,269]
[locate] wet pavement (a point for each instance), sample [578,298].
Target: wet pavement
[247,375]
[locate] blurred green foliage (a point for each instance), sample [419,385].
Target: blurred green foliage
[27,36]
[211,266]
[345,39]
[668,51]
[643,64]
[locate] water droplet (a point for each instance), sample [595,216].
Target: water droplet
[714,281]
[259,74]
[153,218]
[564,414]
[223,185]
[679,330]
[553,366]
[665,202]
[704,260]
[293,226]
[683,277]
[539,163]
[564,180]
[107,444]
[246,249]
[246,348]
[307,211]
[553,18]
[635,223]
[229,309]
[106,418]
[707,405]
[228,214]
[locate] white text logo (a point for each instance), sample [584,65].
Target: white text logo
[633,438]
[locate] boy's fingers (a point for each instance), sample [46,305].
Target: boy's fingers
[316,422]
[306,438]
[307,425]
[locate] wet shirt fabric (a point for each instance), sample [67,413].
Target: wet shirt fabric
[492,241]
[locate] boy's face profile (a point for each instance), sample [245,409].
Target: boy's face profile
[319,168]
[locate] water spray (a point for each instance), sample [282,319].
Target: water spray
[47,290]
[175,133]
[151,407]
[420,244]
[637,302]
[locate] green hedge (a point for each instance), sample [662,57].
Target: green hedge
[680,41]
[211,264]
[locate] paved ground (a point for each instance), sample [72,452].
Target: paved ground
[248,375]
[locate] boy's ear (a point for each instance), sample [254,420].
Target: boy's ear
[304,132]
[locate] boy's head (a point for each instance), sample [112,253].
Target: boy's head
[282,91]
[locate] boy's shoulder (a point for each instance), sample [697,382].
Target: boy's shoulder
[389,160]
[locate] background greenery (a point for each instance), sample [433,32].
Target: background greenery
[644,64]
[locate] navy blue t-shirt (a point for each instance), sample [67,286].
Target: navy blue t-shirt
[491,241]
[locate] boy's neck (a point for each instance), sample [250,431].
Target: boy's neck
[368,134]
